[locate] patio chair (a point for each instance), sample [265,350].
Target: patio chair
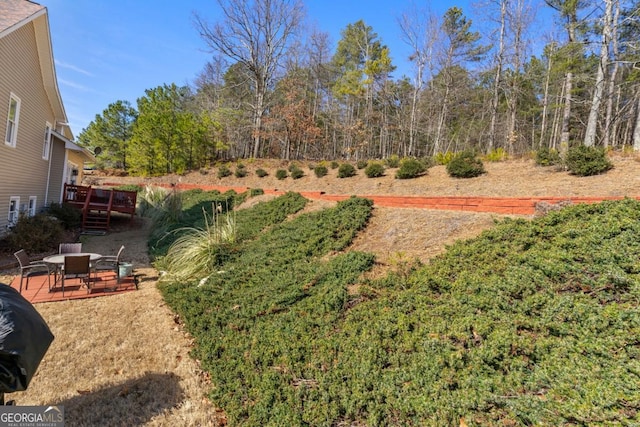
[110,263]
[67,248]
[30,268]
[77,267]
[70,248]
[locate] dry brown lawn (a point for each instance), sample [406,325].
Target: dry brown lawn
[124,359]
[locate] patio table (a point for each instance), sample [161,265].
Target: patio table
[58,261]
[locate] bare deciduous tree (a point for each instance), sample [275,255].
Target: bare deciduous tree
[256,34]
[568,10]
[420,30]
[598,92]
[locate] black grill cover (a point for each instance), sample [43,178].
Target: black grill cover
[24,339]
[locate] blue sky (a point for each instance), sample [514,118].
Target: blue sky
[109,50]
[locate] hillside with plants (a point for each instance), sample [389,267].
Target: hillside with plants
[532,322]
[494,85]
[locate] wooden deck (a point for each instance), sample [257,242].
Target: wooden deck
[96,204]
[104,284]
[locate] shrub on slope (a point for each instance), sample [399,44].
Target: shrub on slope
[533,322]
[530,323]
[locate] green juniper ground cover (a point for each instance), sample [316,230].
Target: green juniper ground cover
[531,323]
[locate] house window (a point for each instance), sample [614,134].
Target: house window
[47,141]
[14,209]
[12,121]
[32,206]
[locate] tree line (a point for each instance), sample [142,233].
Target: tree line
[273,90]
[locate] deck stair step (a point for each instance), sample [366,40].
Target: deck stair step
[96,220]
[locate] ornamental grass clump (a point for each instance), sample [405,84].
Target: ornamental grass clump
[162,206]
[198,251]
[393,161]
[441,158]
[496,155]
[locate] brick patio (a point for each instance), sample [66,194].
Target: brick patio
[104,283]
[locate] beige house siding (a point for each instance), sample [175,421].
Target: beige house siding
[28,73]
[24,172]
[77,159]
[57,171]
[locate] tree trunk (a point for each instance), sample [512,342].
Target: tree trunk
[636,130]
[592,123]
[498,76]
[606,141]
[545,104]
[566,115]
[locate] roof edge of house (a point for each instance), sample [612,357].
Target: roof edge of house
[24,21]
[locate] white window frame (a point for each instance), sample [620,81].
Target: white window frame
[46,147]
[11,135]
[14,210]
[33,203]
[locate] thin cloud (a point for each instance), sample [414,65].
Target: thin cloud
[73,67]
[73,85]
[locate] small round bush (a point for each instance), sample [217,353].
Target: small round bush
[297,173]
[547,157]
[393,161]
[320,171]
[256,192]
[496,155]
[261,173]
[240,172]
[374,170]
[443,158]
[223,171]
[346,170]
[68,216]
[334,165]
[292,167]
[281,174]
[465,165]
[361,164]
[410,168]
[587,161]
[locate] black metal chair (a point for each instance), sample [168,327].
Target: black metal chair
[30,268]
[110,263]
[77,267]
[66,248]
[70,248]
